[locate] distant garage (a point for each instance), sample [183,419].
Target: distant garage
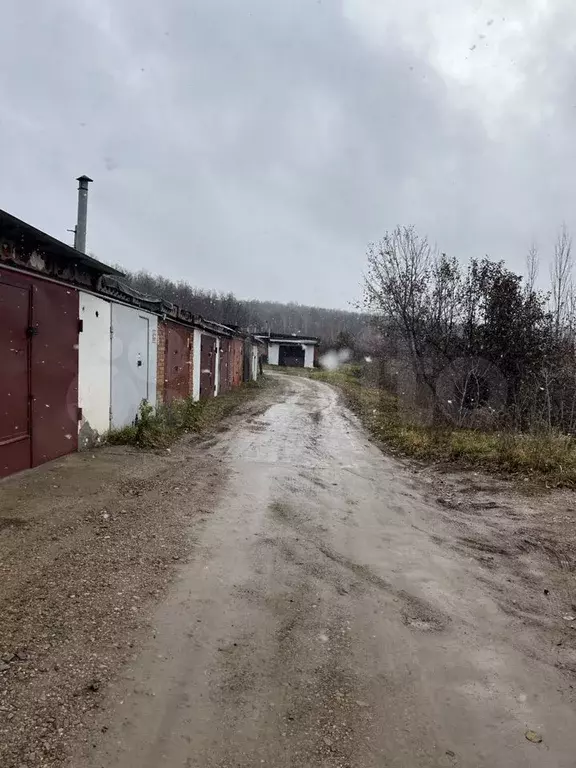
[290,350]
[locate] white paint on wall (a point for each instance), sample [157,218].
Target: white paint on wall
[273,354]
[254,363]
[93,369]
[196,364]
[133,370]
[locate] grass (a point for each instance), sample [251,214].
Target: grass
[544,457]
[161,427]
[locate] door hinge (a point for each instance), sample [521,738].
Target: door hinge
[80,414]
[80,326]
[32,330]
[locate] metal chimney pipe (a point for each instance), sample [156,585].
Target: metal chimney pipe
[80,231]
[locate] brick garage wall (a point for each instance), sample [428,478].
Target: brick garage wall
[161,362]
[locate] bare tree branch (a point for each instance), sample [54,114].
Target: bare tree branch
[532,267]
[561,277]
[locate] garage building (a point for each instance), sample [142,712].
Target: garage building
[290,350]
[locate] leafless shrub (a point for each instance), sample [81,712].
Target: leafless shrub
[487,350]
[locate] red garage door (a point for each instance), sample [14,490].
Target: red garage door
[207,366]
[15,449]
[177,363]
[225,366]
[39,364]
[54,368]
[237,361]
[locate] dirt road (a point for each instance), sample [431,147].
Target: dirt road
[321,622]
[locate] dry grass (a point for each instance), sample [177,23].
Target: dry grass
[546,457]
[161,427]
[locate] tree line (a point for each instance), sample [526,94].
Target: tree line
[475,344]
[334,327]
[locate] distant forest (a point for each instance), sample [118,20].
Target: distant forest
[335,327]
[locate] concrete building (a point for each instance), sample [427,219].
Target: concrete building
[290,350]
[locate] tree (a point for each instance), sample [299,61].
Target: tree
[396,289]
[532,267]
[561,277]
[475,332]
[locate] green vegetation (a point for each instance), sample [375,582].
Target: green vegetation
[161,427]
[541,456]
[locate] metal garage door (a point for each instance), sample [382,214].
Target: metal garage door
[207,366]
[237,361]
[54,369]
[177,362]
[15,450]
[39,363]
[133,362]
[225,369]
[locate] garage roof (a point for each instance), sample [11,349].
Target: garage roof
[28,238]
[287,338]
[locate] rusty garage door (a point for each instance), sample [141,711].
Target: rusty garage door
[54,368]
[15,451]
[237,361]
[177,363]
[39,361]
[225,365]
[207,366]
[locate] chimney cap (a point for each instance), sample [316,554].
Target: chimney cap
[84,178]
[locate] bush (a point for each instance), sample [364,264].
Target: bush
[160,427]
[543,454]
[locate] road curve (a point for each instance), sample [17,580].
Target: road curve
[321,623]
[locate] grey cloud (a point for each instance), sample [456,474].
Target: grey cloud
[257,147]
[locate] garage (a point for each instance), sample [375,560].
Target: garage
[40,329]
[290,350]
[226,366]
[177,363]
[134,364]
[208,355]
[39,359]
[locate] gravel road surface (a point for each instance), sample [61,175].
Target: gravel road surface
[320,621]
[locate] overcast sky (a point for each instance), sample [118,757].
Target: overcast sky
[257,146]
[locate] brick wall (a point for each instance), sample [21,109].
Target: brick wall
[160,365]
